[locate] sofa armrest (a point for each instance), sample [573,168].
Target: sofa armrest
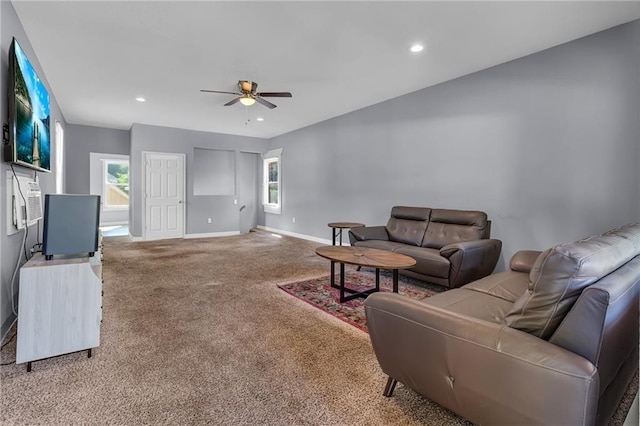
[368,233]
[523,260]
[484,371]
[471,260]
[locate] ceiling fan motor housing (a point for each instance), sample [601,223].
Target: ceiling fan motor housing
[247,86]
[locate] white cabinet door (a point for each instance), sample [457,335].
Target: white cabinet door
[59,307]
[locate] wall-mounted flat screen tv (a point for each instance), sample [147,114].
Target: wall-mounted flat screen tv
[29,114]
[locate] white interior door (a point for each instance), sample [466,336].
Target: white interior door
[164,196]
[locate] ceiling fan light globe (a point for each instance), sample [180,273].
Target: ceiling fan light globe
[247,100]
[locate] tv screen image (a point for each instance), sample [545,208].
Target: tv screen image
[29,114]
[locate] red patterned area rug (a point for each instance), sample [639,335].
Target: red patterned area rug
[319,293]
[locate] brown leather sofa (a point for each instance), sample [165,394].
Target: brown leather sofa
[552,341]
[451,247]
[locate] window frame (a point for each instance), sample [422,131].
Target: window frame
[268,158]
[105,167]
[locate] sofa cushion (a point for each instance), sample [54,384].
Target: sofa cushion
[408,224]
[472,303]
[630,232]
[428,261]
[562,272]
[454,226]
[506,285]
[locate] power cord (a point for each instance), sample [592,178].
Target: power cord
[35,250]
[38,243]
[14,308]
[5,344]
[9,341]
[24,200]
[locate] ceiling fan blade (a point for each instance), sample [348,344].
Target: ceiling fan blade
[265,103]
[274,94]
[232,101]
[218,91]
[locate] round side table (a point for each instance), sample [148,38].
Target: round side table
[337,227]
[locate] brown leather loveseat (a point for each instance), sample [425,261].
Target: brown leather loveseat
[451,247]
[552,341]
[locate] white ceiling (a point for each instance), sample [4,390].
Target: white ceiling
[335,57]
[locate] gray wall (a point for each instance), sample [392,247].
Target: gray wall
[547,145]
[213,172]
[10,246]
[224,213]
[79,142]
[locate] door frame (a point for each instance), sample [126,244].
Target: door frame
[96,184]
[257,182]
[145,233]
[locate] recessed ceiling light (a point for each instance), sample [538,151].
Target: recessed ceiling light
[260,119]
[140,99]
[416,48]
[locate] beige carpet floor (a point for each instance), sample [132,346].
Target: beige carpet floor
[196,332]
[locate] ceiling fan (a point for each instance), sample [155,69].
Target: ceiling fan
[248,95]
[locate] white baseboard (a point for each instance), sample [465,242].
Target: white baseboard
[212,234]
[302,236]
[202,235]
[264,228]
[102,224]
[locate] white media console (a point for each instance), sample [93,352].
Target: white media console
[59,306]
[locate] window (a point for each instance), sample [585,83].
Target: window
[272,190]
[273,184]
[116,184]
[59,172]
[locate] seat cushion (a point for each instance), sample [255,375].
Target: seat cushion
[508,285]
[428,261]
[379,244]
[472,303]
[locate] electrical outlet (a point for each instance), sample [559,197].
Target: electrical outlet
[208,220]
[293,220]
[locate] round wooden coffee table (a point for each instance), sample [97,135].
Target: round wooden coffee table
[363,256]
[337,227]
